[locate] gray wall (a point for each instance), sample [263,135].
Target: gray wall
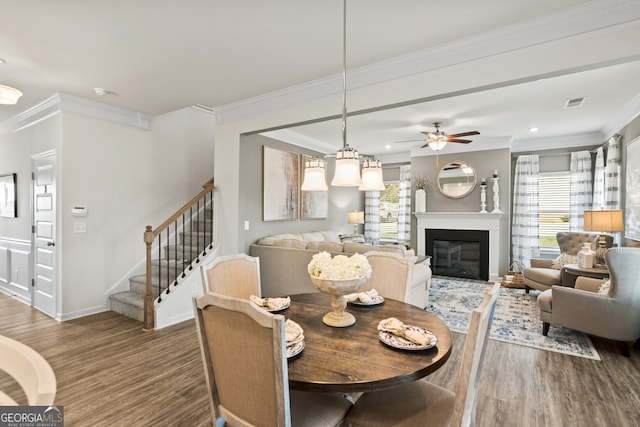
[484,163]
[341,199]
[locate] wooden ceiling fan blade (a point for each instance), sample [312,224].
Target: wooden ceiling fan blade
[462,141]
[456,135]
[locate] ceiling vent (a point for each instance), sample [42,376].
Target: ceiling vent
[575,102]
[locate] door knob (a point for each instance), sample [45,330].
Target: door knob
[51,244]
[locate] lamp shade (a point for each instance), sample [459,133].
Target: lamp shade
[355,217]
[347,172]
[314,176]
[9,95]
[604,220]
[372,176]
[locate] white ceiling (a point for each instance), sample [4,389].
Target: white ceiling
[156,56]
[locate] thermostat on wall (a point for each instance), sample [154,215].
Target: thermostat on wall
[79,211]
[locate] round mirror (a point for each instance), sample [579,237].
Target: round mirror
[456,179]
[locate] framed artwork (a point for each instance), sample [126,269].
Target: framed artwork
[8,199]
[315,204]
[280,184]
[632,176]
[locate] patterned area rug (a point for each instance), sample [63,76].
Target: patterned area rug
[515,321]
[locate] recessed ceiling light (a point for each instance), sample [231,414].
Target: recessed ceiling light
[533,129]
[2,61]
[100,91]
[387,147]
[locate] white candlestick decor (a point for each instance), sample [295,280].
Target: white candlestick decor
[496,193]
[483,196]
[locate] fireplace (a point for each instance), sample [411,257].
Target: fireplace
[458,253]
[489,222]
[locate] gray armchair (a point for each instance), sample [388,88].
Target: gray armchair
[541,276]
[615,315]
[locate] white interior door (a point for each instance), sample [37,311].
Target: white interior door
[44,232]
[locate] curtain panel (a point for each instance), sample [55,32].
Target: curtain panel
[580,189]
[525,241]
[598,181]
[404,202]
[372,216]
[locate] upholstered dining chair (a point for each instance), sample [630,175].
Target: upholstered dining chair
[612,314]
[243,349]
[30,370]
[232,275]
[391,275]
[423,404]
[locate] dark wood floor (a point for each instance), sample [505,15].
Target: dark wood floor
[110,373]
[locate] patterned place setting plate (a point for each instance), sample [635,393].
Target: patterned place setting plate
[278,304]
[395,341]
[377,300]
[295,349]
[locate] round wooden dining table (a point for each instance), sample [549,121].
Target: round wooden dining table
[353,359]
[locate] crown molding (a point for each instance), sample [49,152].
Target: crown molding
[61,102]
[552,143]
[579,20]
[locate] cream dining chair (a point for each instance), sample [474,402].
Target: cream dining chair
[243,350]
[423,404]
[391,275]
[232,275]
[30,370]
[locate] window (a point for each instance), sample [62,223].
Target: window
[553,200]
[389,205]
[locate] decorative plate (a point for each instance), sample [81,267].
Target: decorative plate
[377,300]
[395,341]
[280,304]
[295,349]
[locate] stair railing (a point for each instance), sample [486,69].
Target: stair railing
[195,220]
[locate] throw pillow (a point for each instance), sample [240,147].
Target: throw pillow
[604,288]
[563,259]
[352,238]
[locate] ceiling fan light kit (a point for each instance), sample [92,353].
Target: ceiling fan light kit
[9,95]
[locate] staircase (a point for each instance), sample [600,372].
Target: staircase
[177,247]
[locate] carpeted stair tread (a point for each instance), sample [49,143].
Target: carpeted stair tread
[128,303]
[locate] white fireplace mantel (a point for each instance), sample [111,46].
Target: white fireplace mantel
[464,221]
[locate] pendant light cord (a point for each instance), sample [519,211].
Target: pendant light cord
[344,74]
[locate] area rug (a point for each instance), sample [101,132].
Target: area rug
[515,321]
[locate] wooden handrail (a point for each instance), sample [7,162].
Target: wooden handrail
[149,236]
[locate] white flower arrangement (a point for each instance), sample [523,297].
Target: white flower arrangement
[341,267]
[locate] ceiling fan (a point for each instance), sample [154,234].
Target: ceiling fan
[438,139]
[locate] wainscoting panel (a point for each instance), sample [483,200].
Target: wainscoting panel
[15,272]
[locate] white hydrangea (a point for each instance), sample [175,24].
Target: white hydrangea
[341,267]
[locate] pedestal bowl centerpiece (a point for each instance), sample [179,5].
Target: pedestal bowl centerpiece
[339,276]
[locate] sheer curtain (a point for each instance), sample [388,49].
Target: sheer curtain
[612,174]
[580,188]
[404,202]
[525,242]
[598,182]
[372,216]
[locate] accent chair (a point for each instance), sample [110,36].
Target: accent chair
[612,312]
[542,275]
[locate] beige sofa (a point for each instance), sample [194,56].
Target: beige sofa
[284,259]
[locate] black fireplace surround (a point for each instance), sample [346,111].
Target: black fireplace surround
[458,253]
